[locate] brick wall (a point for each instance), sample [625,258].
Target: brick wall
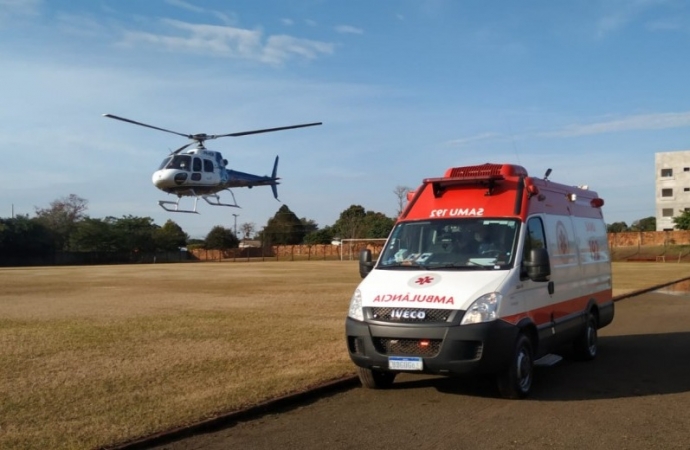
[287,252]
[328,251]
[649,238]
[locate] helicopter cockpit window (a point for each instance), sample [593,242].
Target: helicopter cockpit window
[197,165]
[208,165]
[180,162]
[165,163]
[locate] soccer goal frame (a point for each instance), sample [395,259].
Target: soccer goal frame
[352,244]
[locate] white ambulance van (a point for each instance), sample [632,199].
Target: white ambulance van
[487,271]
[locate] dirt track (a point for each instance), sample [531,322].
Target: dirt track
[635,395]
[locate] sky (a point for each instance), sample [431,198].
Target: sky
[405,89]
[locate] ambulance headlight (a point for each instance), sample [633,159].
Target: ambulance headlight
[356,306]
[483,309]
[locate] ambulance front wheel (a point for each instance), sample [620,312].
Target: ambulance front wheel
[516,382]
[375,379]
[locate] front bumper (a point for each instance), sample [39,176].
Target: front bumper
[450,349]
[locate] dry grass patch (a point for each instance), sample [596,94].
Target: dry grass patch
[90,356]
[629,277]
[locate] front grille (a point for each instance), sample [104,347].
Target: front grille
[397,315]
[408,347]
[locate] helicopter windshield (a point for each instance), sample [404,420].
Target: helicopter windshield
[459,244]
[179,162]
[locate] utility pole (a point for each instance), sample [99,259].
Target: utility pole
[236,224]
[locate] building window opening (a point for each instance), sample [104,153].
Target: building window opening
[667,212]
[666,172]
[668,192]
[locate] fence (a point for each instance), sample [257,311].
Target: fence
[92,258]
[663,246]
[649,238]
[319,252]
[653,246]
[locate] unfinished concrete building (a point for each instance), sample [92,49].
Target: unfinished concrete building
[672,187]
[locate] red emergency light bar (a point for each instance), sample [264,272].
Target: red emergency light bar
[486,170]
[484,175]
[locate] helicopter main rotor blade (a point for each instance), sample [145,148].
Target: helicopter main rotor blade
[189,136]
[181,148]
[266,130]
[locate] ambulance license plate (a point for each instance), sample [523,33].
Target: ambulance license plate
[405,363]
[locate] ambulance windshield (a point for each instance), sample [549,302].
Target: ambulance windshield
[463,244]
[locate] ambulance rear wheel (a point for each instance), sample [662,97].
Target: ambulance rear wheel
[516,382]
[585,346]
[375,379]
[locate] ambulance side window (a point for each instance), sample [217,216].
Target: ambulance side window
[534,238]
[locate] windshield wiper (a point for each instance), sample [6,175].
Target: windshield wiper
[466,265]
[405,265]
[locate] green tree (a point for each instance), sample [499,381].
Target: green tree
[682,221]
[646,224]
[61,217]
[322,236]
[617,227]
[309,225]
[135,234]
[94,235]
[169,237]
[350,224]
[21,236]
[377,225]
[356,223]
[284,228]
[220,238]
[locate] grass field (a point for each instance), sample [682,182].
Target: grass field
[92,356]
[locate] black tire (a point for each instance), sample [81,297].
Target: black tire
[375,379]
[516,382]
[585,347]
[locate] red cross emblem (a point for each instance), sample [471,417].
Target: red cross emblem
[424,280]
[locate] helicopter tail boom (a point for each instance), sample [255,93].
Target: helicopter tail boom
[248,180]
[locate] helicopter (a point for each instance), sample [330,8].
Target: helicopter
[202,173]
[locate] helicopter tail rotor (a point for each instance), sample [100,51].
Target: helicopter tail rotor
[274,184]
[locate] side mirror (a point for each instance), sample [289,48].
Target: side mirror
[538,267]
[365,264]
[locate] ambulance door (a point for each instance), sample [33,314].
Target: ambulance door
[536,297]
[567,303]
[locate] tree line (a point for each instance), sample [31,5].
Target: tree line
[681,222]
[64,226]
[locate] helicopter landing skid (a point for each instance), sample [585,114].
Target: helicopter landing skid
[164,204]
[214,202]
[217,202]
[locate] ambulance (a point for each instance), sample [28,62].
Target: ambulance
[488,271]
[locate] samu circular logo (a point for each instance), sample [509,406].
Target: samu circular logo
[562,236]
[423,281]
